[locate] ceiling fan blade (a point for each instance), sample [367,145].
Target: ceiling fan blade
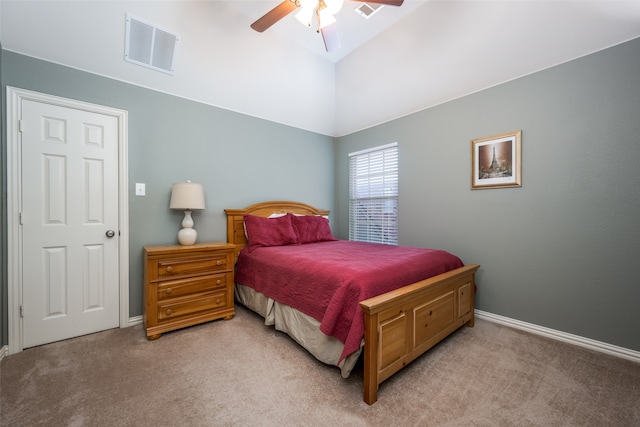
[274,15]
[330,37]
[387,2]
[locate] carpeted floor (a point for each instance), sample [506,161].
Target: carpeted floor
[241,373]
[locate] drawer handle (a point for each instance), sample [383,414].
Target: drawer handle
[169,290]
[218,282]
[169,312]
[218,301]
[169,269]
[218,262]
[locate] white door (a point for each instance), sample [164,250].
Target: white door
[69,219]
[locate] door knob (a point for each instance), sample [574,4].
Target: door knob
[110,233]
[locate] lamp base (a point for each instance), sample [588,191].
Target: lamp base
[187,236]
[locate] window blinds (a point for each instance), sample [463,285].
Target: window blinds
[373,195]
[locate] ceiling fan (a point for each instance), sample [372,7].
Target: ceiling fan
[325,11]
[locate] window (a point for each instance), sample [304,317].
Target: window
[373,195]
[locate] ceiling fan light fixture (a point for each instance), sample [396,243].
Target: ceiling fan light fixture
[324,9]
[305,15]
[325,18]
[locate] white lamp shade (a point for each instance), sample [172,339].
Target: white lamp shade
[187,196]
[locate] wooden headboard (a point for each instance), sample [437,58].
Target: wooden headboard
[235,222]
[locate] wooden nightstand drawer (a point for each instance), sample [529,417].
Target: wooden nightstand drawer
[190,286]
[186,306]
[187,266]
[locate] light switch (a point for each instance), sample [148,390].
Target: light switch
[140,189]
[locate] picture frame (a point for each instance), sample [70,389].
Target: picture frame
[496,161]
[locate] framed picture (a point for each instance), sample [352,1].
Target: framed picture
[496,161]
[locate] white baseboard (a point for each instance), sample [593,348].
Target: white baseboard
[602,347]
[137,320]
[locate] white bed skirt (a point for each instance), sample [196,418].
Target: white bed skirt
[304,329]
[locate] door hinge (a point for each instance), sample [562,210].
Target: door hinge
[20,125]
[21,310]
[20,218]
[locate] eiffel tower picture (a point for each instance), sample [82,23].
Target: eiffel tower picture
[496,161]
[500,165]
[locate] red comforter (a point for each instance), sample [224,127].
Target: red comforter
[327,280]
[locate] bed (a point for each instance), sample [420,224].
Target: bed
[392,324]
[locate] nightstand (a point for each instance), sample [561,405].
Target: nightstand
[187,285]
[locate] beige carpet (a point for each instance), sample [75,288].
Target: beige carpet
[241,373]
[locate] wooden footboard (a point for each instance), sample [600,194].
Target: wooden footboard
[403,324]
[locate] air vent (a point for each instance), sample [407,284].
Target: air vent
[367,10]
[150,46]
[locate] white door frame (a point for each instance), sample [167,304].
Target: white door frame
[15,96]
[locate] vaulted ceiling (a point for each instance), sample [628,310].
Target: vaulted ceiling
[399,61]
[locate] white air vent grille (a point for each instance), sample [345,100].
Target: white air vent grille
[367,10]
[150,46]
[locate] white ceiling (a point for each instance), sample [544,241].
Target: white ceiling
[402,60]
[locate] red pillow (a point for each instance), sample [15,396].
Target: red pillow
[263,231]
[312,228]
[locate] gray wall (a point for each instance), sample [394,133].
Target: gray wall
[562,250]
[559,252]
[239,159]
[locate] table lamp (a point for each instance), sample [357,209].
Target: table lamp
[187,196]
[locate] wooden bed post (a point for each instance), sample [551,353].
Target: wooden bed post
[371,368]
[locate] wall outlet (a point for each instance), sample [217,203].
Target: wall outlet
[140,189]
